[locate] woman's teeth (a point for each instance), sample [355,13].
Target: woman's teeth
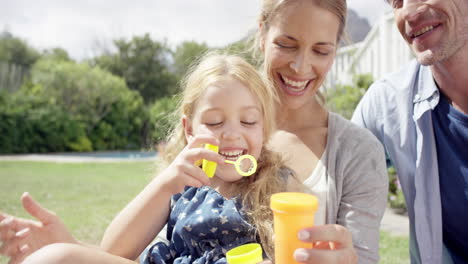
[296,86]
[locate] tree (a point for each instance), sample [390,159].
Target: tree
[163,118]
[16,51]
[112,114]
[344,98]
[16,58]
[144,65]
[186,54]
[57,54]
[244,48]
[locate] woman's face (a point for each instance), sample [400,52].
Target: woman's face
[299,46]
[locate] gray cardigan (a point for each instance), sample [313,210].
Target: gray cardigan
[357,184]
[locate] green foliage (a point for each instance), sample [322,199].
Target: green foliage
[343,99]
[16,51]
[162,118]
[56,54]
[29,124]
[244,49]
[185,54]
[16,58]
[395,193]
[143,64]
[71,107]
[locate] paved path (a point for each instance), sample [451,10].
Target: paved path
[395,224]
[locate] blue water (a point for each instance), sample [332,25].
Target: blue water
[114,154]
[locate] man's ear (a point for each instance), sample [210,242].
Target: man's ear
[187,124]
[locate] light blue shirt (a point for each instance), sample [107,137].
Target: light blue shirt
[397,110]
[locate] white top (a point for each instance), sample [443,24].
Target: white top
[318,185]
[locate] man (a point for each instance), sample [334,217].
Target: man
[420,114]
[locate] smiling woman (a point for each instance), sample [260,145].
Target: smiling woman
[342,164]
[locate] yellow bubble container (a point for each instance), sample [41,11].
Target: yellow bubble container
[245,254]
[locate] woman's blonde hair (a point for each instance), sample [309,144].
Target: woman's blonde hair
[269,10]
[257,189]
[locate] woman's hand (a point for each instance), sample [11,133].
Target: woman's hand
[332,244]
[184,171]
[21,237]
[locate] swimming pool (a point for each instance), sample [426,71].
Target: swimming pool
[113,154]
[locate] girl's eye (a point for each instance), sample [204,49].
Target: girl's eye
[213,124]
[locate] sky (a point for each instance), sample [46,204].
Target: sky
[86,27]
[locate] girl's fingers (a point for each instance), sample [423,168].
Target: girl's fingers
[196,154]
[200,140]
[196,174]
[192,182]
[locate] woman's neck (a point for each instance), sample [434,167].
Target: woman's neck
[312,115]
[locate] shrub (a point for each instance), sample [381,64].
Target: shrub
[396,199]
[162,118]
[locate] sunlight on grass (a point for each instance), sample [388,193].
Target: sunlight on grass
[393,249]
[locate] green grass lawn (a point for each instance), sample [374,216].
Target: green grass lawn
[88,195]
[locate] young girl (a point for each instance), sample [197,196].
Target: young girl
[226,103]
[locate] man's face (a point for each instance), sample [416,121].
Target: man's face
[435,29]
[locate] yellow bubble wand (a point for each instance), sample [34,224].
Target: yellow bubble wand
[209,167]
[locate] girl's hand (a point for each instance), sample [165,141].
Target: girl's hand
[332,244]
[21,237]
[183,171]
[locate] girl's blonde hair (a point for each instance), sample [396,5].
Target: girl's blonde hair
[257,189]
[269,10]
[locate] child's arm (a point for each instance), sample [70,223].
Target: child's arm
[141,220]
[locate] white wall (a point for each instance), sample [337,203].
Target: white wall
[382,51]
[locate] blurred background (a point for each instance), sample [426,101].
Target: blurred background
[102,75]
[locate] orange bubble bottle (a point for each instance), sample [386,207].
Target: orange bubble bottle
[292,212]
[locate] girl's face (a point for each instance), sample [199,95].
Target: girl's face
[231,113]
[299,47]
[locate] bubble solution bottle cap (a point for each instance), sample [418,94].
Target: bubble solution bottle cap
[293,203]
[245,254]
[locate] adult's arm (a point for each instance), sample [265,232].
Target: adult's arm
[362,196]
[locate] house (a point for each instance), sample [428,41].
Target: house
[382,51]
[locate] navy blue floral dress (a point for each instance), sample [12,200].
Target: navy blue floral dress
[202,227]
